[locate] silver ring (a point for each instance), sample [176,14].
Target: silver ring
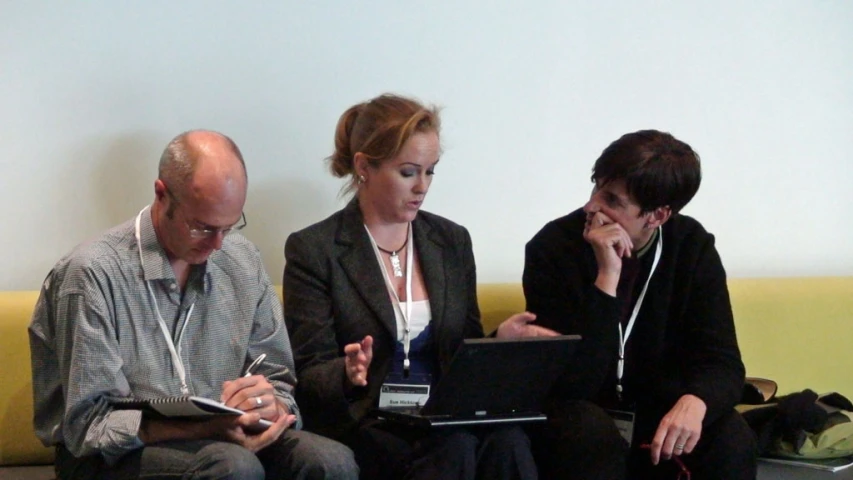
[679,447]
[258,402]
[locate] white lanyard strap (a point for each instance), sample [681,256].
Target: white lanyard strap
[407,314]
[175,353]
[623,339]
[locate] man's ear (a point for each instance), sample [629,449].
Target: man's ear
[159,190]
[658,216]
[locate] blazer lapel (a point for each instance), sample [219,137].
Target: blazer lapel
[359,263]
[430,250]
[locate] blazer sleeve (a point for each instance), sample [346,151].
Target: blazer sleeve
[559,289]
[308,315]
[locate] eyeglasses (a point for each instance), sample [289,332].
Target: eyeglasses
[206,232]
[684,474]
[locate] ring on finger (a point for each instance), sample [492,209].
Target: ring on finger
[258,402]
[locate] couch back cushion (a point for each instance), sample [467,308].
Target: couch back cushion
[796,331]
[18,443]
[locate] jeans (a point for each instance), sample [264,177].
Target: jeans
[296,455]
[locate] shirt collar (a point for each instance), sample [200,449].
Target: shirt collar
[648,245]
[155,263]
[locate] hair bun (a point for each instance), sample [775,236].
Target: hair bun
[341,161]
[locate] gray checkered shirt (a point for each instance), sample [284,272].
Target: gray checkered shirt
[95,334]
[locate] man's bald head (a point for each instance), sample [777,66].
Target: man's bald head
[203,165]
[201,188]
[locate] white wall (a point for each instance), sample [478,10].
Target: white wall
[90,92]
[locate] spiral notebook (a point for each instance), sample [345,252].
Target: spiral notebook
[182,407]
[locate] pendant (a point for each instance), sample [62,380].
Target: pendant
[395,264]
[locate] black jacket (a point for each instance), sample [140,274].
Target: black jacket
[683,340]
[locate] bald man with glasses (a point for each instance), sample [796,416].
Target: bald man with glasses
[173,303]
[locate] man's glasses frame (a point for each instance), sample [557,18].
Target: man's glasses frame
[197,232]
[205,232]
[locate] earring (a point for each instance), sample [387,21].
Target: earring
[361,179]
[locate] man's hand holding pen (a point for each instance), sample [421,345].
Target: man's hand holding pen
[255,395]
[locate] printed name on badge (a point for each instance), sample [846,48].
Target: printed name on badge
[402,395]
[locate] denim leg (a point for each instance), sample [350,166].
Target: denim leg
[301,455]
[198,459]
[68,467]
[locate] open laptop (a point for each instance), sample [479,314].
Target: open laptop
[491,381]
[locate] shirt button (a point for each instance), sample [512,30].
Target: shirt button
[173,287]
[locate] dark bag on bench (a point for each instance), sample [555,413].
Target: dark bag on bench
[803,425]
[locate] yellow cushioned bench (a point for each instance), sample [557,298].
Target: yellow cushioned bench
[18,443]
[796,331]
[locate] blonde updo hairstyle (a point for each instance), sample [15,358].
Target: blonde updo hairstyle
[378,129]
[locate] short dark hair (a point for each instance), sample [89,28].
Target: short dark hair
[658,169]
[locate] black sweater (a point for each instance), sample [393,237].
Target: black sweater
[683,340]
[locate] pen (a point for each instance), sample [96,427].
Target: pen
[250,370]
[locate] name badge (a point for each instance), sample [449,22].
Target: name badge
[624,421]
[403,395]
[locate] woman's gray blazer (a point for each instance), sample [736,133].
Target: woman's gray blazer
[335,294]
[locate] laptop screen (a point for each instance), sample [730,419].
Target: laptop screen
[498,376]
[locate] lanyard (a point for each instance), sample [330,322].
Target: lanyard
[175,353]
[407,341]
[623,339]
